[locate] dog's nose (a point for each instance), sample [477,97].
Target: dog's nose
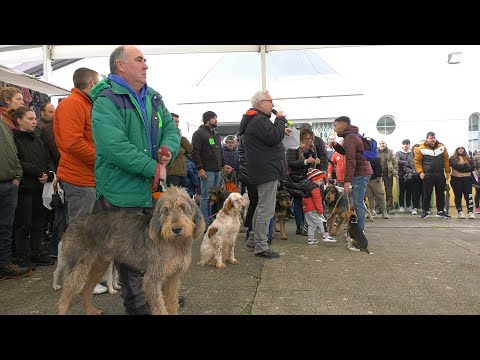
[177,230]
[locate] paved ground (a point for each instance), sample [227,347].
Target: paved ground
[429,266]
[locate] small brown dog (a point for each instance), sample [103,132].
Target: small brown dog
[337,204]
[284,201]
[219,240]
[160,245]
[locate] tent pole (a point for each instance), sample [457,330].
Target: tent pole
[264,66]
[47,63]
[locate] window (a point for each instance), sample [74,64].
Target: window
[473,134]
[386,125]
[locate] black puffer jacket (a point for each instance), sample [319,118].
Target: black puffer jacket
[34,159]
[263,147]
[242,163]
[207,149]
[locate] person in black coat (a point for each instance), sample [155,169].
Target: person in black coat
[37,170]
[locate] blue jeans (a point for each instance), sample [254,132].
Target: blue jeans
[8,204]
[213,179]
[359,188]
[298,210]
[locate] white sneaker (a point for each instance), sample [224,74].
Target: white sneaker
[471,215]
[461,215]
[414,211]
[353,248]
[374,213]
[312,241]
[328,238]
[100,289]
[409,209]
[401,209]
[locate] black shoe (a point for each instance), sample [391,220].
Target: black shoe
[25,263]
[142,310]
[13,271]
[425,214]
[181,301]
[42,260]
[268,254]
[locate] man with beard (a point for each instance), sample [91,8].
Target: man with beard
[208,157]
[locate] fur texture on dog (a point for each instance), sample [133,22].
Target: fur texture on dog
[337,204]
[159,245]
[219,241]
[110,276]
[283,203]
[355,237]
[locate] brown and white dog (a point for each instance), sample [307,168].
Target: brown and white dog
[219,241]
[284,201]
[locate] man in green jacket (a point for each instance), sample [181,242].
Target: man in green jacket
[10,175]
[130,123]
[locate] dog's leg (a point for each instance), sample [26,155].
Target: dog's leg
[109,276]
[331,222]
[231,256]
[115,283]
[72,285]
[171,291]
[275,228]
[97,270]
[153,293]
[339,224]
[59,269]
[218,243]
[283,234]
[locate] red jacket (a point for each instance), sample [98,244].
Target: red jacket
[312,200]
[73,134]
[339,161]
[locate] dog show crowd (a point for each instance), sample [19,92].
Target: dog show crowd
[128,193]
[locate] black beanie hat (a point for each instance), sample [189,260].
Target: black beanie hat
[207,116]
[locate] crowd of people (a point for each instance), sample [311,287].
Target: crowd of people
[102,146]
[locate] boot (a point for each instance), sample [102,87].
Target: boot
[41,260]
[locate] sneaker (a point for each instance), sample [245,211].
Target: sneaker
[471,215]
[100,289]
[408,209]
[13,271]
[443,214]
[401,209]
[385,215]
[477,210]
[414,211]
[373,212]
[353,248]
[425,214]
[328,238]
[181,300]
[461,215]
[268,254]
[312,241]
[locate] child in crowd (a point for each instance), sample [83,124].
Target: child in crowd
[313,207]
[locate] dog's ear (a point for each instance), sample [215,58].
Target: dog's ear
[155,223]
[199,223]
[227,205]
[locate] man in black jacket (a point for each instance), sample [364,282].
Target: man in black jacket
[208,157]
[265,159]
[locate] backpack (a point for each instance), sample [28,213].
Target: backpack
[370,147]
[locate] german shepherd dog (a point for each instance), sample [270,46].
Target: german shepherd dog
[356,239]
[283,203]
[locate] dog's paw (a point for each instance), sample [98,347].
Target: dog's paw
[233,261]
[57,287]
[117,286]
[112,291]
[220,266]
[284,237]
[94,311]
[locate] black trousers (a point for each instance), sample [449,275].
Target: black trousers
[438,182]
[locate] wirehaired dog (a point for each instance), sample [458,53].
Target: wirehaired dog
[356,239]
[283,203]
[219,240]
[110,276]
[217,196]
[160,245]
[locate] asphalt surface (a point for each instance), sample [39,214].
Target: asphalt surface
[418,267]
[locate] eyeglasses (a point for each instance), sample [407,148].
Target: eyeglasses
[270,101]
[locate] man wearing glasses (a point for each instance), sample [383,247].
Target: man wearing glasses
[265,160]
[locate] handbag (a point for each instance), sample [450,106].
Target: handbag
[52,193]
[411,177]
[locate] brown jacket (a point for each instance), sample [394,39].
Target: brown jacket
[355,162]
[179,165]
